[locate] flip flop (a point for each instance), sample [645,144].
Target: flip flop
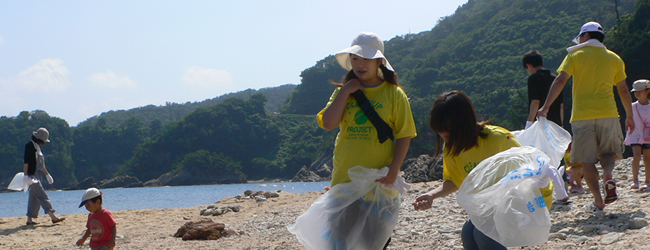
[57,220]
[30,223]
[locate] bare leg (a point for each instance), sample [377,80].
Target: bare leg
[576,173]
[646,161]
[591,178]
[636,150]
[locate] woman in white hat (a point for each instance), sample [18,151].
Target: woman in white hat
[358,142]
[33,168]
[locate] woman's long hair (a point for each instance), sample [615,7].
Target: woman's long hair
[389,76]
[454,112]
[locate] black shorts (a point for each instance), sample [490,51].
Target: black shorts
[644,146]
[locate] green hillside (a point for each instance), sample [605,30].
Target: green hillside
[477,50]
[175,111]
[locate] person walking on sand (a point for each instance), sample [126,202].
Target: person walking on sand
[358,143]
[465,142]
[640,138]
[597,133]
[101,227]
[33,167]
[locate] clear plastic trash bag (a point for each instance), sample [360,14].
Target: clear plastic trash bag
[502,198]
[552,140]
[360,214]
[21,182]
[548,137]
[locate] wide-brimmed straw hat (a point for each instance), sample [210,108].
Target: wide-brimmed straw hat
[367,45]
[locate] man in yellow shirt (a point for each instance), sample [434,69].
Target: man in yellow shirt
[596,131]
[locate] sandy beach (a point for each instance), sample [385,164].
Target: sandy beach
[262,225]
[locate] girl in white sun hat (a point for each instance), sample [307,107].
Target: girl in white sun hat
[639,139]
[362,142]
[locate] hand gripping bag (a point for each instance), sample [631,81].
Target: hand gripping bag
[502,198]
[21,182]
[360,214]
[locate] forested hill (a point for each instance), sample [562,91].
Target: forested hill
[477,50]
[175,111]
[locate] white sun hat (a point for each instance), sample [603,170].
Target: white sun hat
[367,45]
[639,85]
[589,27]
[42,134]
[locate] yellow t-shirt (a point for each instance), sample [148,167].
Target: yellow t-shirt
[456,168]
[595,70]
[357,142]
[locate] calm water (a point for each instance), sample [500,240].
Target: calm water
[115,199]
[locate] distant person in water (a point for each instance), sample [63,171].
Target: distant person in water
[34,168]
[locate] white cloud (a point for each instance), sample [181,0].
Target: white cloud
[207,78]
[45,76]
[111,80]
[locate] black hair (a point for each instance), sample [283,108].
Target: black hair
[596,35]
[454,112]
[534,58]
[389,76]
[97,198]
[39,141]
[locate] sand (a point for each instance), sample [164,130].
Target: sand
[262,225]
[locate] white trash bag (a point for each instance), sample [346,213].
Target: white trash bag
[360,214]
[502,198]
[549,137]
[21,182]
[552,140]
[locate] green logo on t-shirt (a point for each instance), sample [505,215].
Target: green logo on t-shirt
[360,118]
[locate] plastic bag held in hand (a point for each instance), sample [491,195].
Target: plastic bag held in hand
[502,198]
[50,180]
[21,182]
[360,214]
[553,140]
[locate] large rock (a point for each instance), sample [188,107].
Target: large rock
[319,171]
[87,183]
[204,229]
[423,168]
[120,181]
[185,177]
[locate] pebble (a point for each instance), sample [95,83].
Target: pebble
[610,238]
[638,223]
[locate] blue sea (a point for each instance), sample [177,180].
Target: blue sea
[115,199]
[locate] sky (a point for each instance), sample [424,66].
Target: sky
[77,59]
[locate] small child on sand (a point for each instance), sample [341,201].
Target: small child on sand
[101,225]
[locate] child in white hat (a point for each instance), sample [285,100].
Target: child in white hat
[639,139]
[101,225]
[358,143]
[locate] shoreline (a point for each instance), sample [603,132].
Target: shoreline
[263,225]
